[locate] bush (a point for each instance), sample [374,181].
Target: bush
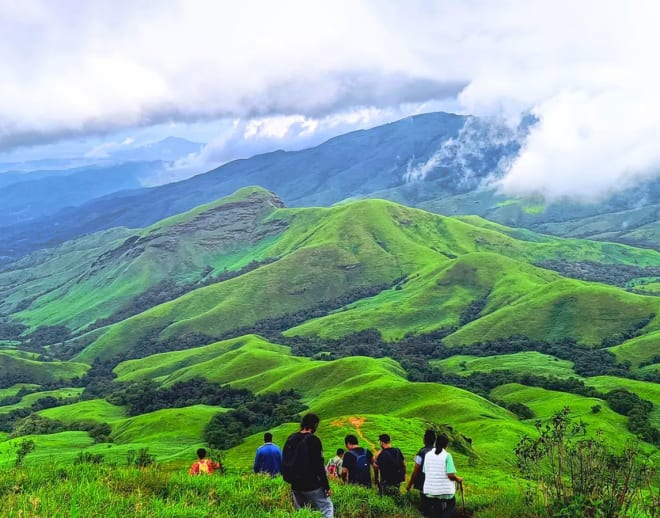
[577,476]
[24,448]
[140,458]
[85,457]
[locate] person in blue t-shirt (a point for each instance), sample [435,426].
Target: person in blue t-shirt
[269,457]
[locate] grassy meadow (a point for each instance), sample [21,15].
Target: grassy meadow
[236,285]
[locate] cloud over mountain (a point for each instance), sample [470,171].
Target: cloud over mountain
[584,70]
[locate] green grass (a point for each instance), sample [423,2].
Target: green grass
[565,308]
[176,427]
[521,363]
[364,396]
[29,399]
[644,389]
[15,389]
[548,402]
[38,372]
[324,253]
[448,264]
[90,491]
[87,279]
[435,298]
[216,361]
[54,449]
[91,410]
[355,386]
[637,350]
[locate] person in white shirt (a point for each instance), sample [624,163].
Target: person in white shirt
[439,479]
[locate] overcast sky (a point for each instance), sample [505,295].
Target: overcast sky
[251,76]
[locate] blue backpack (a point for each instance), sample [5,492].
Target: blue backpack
[361,473]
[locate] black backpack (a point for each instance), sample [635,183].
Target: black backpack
[361,473]
[295,458]
[390,465]
[421,476]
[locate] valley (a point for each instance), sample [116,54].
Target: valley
[381,317]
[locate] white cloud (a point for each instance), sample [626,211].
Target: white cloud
[585,69]
[102,66]
[245,138]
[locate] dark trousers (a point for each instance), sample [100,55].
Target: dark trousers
[441,508]
[425,504]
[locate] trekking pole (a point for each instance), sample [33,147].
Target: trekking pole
[460,485]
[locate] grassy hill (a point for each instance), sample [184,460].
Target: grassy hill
[544,365]
[442,266]
[565,308]
[640,349]
[98,275]
[259,282]
[39,372]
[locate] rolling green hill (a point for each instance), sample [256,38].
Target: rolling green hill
[229,291]
[39,372]
[95,276]
[638,350]
[544,365]
[437,266]
[565,308]
[546,402]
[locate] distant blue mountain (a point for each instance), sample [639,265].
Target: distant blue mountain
[30,195]
[436,161]
[352,165]
[41,195]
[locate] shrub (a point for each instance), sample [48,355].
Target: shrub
[578,476]
[24,448]
[85,457]
[140,458]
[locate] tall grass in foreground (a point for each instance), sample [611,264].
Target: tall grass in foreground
[101,490]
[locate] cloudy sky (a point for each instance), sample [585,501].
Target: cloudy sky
[257,75]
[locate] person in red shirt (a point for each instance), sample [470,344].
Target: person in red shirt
[203,466]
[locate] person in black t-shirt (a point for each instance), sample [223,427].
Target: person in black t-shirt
[417,477]
[304,469]
[357,463]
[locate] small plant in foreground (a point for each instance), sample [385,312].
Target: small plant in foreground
[577,476]
[140,458]
[24,448]
[85,457]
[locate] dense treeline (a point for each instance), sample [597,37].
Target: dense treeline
[10,330]
[266,411]
[416,350]
[8,420]
[147,396]
[250,413]
[613,274]
[633,331]
[473,311]
[637,410]
[35,424]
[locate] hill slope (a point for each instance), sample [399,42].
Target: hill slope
[441,266]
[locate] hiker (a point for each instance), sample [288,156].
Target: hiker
[268,457]
[357,462]
[417,477]
[333,468]
[203,466]
[440,475]
[389,467]
[304,469]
